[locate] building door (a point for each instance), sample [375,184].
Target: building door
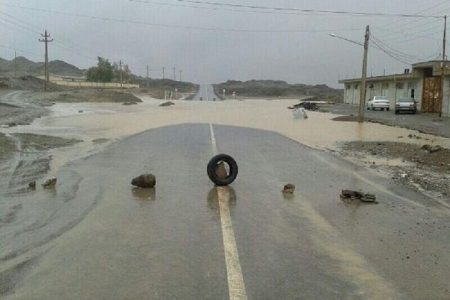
[431,94]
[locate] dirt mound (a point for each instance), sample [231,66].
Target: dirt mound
[90,95]
[30,83]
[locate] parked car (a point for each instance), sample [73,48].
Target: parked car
[405,104]
[378,102]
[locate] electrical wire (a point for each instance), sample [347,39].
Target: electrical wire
[393,50]
[353,13]
[418,12]
[391,54]
[175,26]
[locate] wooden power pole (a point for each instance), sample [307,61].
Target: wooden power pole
[121,73]
[148,76]
[362,99]
[443,67]
[46,40]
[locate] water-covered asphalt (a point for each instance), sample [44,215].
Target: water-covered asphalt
[122,243]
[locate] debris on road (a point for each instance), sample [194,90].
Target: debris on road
[50,183]
[306,105]
[349,196]
[129,103]
[431,148]
[221,170]
[300,113]
[289,188]
[144,181]
[216,172]
[167,103]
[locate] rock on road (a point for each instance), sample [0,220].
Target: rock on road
[167,243]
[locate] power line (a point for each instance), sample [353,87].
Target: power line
[354,13]
[175,26]
[418,12]
[398,52]
[390,54]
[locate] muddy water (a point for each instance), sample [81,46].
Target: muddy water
[114,121]
[91,122]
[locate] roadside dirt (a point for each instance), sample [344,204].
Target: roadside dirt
[407,164]
[25,158]
[87,95]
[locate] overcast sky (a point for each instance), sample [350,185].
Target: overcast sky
[208,56]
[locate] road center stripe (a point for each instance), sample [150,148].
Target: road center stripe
[236,286]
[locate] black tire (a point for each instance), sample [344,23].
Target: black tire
[212,165]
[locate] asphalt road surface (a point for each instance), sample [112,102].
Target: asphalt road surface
[190,240]
[206,93]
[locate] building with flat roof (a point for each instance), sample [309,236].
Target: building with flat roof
[422,82]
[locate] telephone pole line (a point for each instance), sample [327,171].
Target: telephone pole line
[443,67]
[181,71]
[15,63]
[148,76]
[121,73]
[174,74]
[46,40]
[362,99]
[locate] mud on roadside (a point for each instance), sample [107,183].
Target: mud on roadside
[408,164]
[25,158]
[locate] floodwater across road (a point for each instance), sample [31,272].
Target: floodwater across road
[168,243]
[206,93]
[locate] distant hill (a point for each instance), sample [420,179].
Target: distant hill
[277,88]
[25,66]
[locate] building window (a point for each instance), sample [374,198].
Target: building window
[371,86]
[348,86]
[411,85]
[385,85]
[356,86]
[399,85]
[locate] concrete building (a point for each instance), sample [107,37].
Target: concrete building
[422,82]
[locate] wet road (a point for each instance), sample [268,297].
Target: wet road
[169,244]
[206,93]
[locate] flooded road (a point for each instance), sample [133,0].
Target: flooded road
[168,243]
[206,93]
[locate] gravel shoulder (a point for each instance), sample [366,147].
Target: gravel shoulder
[422,168]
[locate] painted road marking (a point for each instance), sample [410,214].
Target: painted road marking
[236,286]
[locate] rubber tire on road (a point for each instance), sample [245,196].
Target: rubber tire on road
[211,169]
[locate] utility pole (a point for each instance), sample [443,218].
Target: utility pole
[362,99]
[174,74]
[148,76]
[46,40]
[443,67]
[181,71]
[15,63]
[164,72]
[121,74]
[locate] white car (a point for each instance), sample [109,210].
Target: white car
[378,102]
